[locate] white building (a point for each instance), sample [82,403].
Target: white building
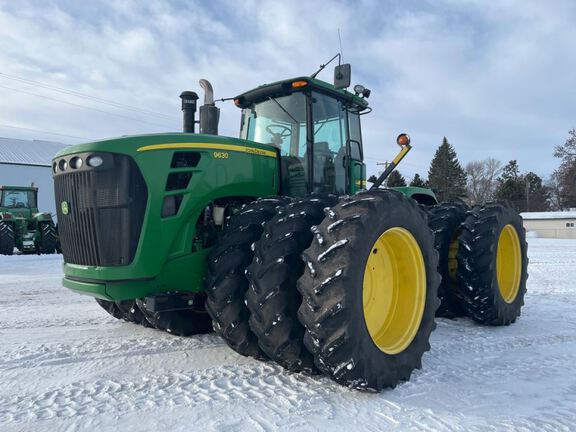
[24,162]
[560,224]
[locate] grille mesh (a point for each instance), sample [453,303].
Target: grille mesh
[106,212]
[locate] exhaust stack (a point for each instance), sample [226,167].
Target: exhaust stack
[189,99]
[209,113]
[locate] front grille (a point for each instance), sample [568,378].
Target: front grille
[106,208]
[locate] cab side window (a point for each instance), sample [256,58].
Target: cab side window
[355,136]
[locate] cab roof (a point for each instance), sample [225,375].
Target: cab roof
[285,87]
[19,188]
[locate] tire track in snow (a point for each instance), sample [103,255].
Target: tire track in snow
[260,382]
[98,349]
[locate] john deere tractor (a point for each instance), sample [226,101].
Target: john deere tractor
[272,240]
[22,226]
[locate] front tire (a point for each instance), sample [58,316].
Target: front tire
[273,299]
[226,282]
[48,238]
[184,322]
[363,330]
[110,307]
[7,239]
[493,264]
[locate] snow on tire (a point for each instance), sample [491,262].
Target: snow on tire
[273,299]
[492,264]
[226,282]
[346,308]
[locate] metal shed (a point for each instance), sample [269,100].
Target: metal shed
[559,224]
[23,162]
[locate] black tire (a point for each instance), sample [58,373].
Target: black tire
[273,299]
[226,282]
[185,322]
[48,238]
[480,293]
[444,220]
[332,288]
[7,239]
[132,313]
[111,308]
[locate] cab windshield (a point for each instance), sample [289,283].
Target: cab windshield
[282,122]
[18,199]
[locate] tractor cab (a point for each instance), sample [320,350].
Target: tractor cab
[315,128]
[19,201]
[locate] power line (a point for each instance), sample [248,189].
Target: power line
[85,96]
[84,106]
[45,132]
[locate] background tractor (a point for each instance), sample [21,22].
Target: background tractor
[272,240]
[22,226]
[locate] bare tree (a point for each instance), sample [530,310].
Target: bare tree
[481,175]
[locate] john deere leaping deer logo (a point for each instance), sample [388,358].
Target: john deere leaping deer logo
[64,207]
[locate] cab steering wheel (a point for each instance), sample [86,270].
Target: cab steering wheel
[278,137]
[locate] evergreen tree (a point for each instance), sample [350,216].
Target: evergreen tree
[395,179]
[565,175]
[417,181]
[446,176]
[537,195]
[511,186]
[372,178]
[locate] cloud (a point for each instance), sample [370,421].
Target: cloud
[496,78]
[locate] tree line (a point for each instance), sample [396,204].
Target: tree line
[488,179]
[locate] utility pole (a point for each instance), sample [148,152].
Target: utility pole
[385,164]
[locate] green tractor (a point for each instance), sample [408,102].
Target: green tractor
[22,226]
[272,240]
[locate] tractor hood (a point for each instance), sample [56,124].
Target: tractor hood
[114,196]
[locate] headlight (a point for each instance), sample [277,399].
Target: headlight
[76,163]
[62,165]
[95,161]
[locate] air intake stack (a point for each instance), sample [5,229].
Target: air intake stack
[189,99]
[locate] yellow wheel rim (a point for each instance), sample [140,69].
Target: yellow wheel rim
[508,263]
[394,290]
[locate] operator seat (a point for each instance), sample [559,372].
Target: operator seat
[324,170]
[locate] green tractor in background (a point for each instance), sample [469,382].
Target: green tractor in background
[22,226]
[272,240]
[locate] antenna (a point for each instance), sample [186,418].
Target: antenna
[340,42]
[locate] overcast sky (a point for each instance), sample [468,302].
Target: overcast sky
[498,78]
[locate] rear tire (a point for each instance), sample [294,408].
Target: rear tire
[226,282]
[184,322]
[444,220]
[273,299]
[351,337]
[492,293]
[7,239]
[48,238]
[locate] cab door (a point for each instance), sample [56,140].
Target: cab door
[356,166]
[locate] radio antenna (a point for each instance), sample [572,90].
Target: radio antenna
[340,42]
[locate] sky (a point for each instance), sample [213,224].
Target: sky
[497,78]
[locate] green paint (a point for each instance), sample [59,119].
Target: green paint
[18,207]
[170,256]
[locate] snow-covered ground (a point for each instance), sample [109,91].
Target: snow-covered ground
[66,365]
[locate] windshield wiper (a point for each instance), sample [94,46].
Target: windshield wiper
[283,109]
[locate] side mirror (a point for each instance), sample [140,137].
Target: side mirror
[342,74]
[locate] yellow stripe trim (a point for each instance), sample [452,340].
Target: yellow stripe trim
[210,146]
[401,155]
